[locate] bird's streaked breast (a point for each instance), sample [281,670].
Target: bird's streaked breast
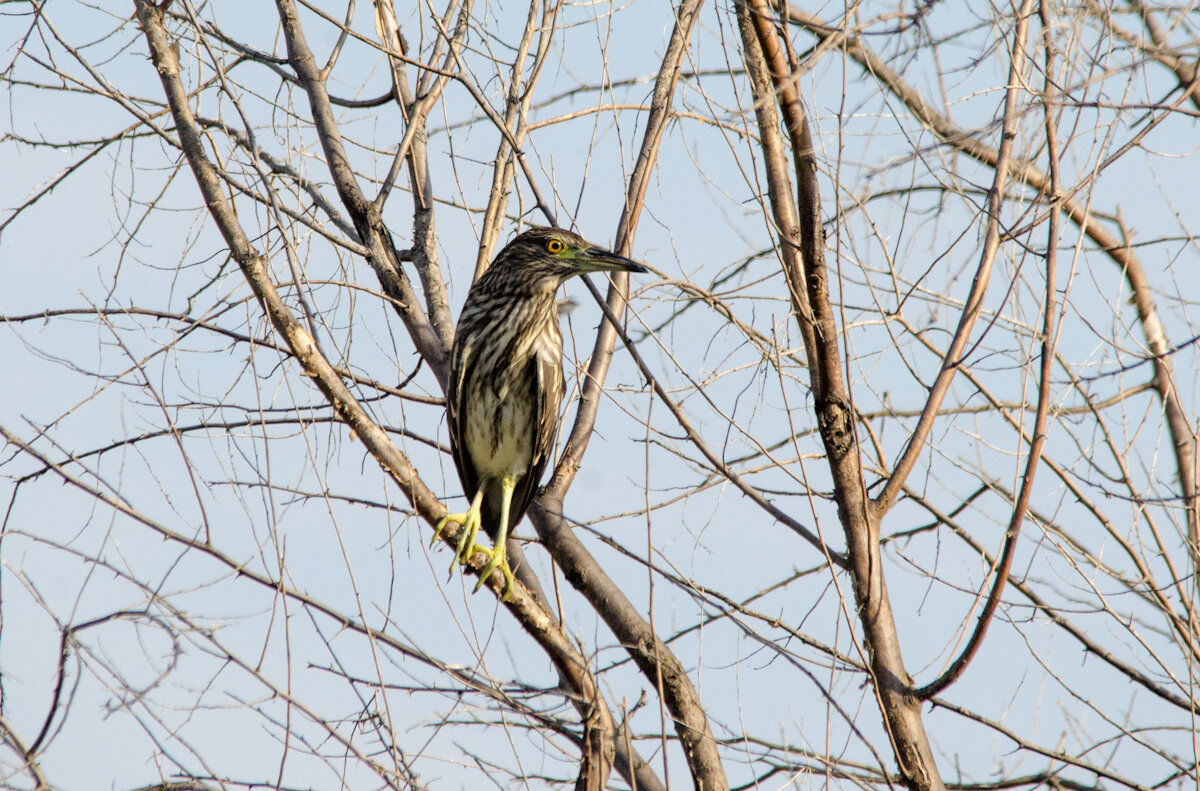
[497,380]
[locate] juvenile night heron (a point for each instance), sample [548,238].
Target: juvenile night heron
[506,383]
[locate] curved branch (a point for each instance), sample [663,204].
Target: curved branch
[1049,342]
[954,357]
[10,737]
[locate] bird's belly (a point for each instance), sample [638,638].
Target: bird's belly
[502,446]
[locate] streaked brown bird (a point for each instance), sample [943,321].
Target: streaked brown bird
[506,383]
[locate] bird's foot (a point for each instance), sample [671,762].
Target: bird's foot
[470,521]
[497,559]
[497,555]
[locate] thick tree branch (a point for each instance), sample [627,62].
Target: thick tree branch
[804,266]
[537,621]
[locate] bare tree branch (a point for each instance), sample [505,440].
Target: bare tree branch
[537,621]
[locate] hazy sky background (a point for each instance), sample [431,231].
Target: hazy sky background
[91,244]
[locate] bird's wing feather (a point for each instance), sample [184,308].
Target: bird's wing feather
[546,377]
[461,360]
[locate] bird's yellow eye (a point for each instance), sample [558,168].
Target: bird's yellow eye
[555,246]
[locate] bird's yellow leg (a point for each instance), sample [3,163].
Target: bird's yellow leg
[498,556]
[470,521]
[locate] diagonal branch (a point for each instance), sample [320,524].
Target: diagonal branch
[540,19]
[413,149]
[618,291]
[374,235]
[651,654]
[953,358]
[536,620]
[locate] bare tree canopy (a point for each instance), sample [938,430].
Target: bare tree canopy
[884,476]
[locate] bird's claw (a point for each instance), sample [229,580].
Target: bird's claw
[441,525]
[497,556]
[466,542]
[497,559]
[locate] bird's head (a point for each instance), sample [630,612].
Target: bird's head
[543,258]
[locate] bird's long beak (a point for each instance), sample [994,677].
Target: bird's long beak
[595,259]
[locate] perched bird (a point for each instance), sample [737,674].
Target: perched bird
[506,383]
